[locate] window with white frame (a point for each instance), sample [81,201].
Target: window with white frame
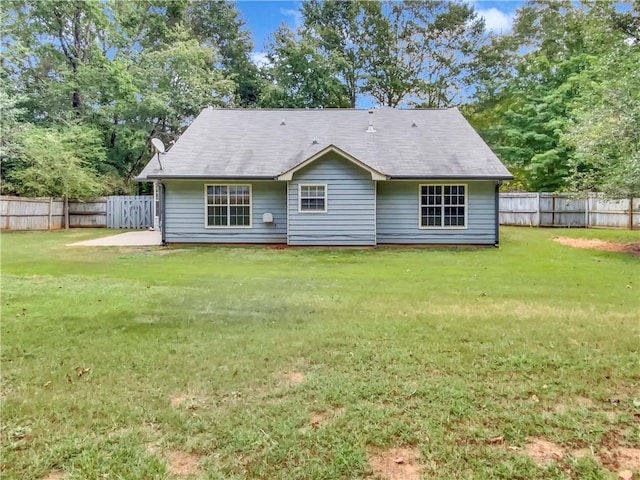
[313,198]
[228,205]
[443,206]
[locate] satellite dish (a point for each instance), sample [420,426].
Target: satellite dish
[158,145]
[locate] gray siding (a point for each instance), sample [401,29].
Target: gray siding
[185,214]
[398,210]
[351,204]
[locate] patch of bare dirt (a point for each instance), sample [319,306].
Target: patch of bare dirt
[621,458]
[629,458]
[396,464]
[54,475]
[320,418]
[543,451]
[182,464]
[168,251]
[293,378]
[184,400]
[610,454]
[632,248]
[582,453]
[625,475]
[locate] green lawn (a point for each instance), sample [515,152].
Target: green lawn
[263,363]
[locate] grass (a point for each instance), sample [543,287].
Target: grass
[228,354]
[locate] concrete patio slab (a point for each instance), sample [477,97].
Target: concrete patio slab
[138,238]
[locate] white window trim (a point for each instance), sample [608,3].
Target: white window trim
[444,227]
[326,197]
[206,205]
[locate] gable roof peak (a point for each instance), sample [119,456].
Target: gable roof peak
[375,174]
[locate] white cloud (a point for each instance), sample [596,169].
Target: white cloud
[495,20]
[295,15]
[260,59]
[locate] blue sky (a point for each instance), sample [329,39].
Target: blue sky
[264,16]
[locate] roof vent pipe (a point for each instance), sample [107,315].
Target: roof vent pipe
[282,122]
[414,124]
[370,128]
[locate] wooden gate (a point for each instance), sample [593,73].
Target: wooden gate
[133,211]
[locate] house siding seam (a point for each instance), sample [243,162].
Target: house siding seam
[185,211]
[351,204]
[398,222]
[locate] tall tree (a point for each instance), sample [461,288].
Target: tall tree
[132,70]
[605,127]
[51,51]
[336,24]
[300,76]
[219,25]
[532,88]
[419,52]
[11,130]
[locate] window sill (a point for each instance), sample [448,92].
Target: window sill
[442,228]
[228,227]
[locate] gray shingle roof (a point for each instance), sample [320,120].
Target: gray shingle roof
[245,143]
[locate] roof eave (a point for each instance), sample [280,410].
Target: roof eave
[451,177]
[152,177]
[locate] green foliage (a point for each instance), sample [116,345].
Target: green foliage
[418,52]
[547,94]
[336,25]
[557,98]
[58,163]
[11,128]
[300,76]
[409,53]
[218,24]
[605,132]
[132,70]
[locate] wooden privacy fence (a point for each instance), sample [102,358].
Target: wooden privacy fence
[18,213]
[565,210]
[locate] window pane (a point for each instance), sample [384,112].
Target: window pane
[312,197]
[454,216]
[239,216]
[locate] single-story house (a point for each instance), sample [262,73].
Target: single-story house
[328,177]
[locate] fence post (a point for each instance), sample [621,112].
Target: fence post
[538,210]
[631,213]
[66,213]
[50,213]
[586,210]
